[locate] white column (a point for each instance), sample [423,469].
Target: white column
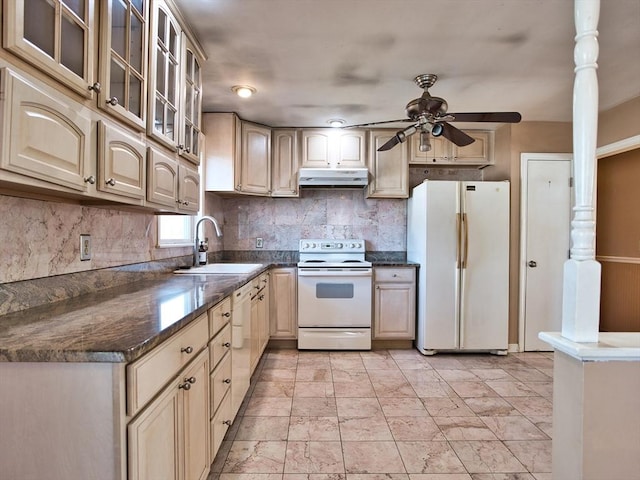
[581,290]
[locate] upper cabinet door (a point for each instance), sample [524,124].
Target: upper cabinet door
[123,60]
[57,36]
[191,131]
[163,120]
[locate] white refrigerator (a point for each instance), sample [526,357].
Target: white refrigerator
[459,234]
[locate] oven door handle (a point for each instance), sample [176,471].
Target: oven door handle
[339,272]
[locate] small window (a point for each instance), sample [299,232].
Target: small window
[175,230]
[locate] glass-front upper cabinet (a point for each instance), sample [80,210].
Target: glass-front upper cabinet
[189,146]
[123,59]
[56,36]
[164,85]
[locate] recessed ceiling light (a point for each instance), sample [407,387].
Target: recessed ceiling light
[244,91]
[336,122]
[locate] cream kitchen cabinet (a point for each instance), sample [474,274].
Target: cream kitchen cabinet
[175,88]
[191,126]
[285,163]
[220,376]
[164,86]
[122,162]
[390,169]
[170,438]
[255,159]
[333,148]
[444,152]
[56,36]
[46,138]
[283,311]
[148,419]
[172,183]
[123,66]
[259,318]
[237,155]
[394,303]
[169,435]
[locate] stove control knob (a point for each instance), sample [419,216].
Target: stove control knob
[353,245]
[313,245]
[306,245]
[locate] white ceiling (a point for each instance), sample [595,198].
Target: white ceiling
[312,60]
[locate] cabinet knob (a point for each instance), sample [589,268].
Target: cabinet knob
[227,422]
[112,101]
[532,264]
[96,87]
[190,380]
[187,350]
[187,150]
[226,380]
[111,181]
[226,314]
[186,203]
[90,179]
[185,386]
[226,344]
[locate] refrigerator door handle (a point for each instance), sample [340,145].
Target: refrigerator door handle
[458,240]
[465,227]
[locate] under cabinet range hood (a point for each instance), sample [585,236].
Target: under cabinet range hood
[333,177]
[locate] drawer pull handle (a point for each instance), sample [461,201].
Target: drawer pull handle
[226,344]
[226,314]
[185,386]
[226,380]
[227,422]
[187,350]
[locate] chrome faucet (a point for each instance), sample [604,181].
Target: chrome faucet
[195,244]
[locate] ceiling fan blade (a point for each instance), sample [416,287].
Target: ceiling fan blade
[498,117]
[390,144]
[399,137]
[454,135]
[378,123]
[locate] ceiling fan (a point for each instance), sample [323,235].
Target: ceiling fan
[429,116]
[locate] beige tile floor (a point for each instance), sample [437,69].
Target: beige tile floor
[392,415]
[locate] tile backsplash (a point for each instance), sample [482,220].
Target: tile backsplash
[318,213]
[42,238]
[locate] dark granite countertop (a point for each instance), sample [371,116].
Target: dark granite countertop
[118,324]
[125,321]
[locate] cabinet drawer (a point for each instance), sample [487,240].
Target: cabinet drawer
[219,346]
[219,316]
[220,424]
[146,376]
[394,274]
[220,382]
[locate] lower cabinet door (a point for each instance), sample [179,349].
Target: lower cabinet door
[220,424]
[154,439]
[220,382]
[195,410]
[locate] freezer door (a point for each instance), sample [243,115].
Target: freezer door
[432,240]
[484,292]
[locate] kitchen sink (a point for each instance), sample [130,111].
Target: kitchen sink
[222,269]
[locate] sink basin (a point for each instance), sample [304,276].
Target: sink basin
[222,269]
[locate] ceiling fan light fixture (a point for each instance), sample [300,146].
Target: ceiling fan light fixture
[243,91]
[425,145]
[336,122]
[437,130]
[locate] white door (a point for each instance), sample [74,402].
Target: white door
[545,242]
[484,273]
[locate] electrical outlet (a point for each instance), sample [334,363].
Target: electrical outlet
[85,247]
[259,242]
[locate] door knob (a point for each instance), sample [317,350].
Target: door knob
[532,264]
